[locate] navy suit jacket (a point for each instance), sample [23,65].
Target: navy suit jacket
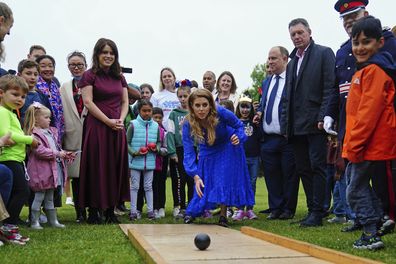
[265,87]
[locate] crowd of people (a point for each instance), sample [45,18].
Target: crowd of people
[325,119]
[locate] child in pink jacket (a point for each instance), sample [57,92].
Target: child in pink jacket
[46,167]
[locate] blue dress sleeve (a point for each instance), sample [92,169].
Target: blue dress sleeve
[232,121]
[189,161]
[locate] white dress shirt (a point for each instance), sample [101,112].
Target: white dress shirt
[274,126]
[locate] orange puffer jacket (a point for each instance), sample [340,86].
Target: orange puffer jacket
[371,119]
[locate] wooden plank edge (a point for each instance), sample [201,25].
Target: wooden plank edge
[148,253]
[307,248]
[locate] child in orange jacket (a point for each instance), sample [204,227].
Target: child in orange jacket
[371,126]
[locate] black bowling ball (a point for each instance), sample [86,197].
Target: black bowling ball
[202,241]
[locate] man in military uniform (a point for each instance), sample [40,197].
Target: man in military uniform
[351,11]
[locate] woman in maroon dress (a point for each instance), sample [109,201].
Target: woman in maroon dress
[104,162]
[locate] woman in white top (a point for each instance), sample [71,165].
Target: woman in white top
[226,88]
[166,98]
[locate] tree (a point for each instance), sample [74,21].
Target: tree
[258,75]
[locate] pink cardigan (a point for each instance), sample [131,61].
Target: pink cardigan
[42,167]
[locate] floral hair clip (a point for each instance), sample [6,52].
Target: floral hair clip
[185,82]
[37,105]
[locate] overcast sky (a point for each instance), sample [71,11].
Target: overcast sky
[188,36]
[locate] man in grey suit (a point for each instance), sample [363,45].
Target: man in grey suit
[309,83]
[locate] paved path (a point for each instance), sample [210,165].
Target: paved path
[174,243]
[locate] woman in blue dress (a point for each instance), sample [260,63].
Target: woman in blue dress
[220,172]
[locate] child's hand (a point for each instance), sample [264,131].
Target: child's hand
[35,143]
[62,154]
[152,147]
[256,118]
[6,141]
[70,155]
[175,159]
[143,151]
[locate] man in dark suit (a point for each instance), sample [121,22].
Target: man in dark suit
[309,82]
[276,153]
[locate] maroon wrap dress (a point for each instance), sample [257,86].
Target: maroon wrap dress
[104,180]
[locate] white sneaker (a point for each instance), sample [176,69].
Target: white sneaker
[176,211]
[69,201]
[139,215]
[161,212]
[337,220]
[156,214]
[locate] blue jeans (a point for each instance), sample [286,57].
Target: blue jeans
[340,204]
[253,166]
[5,183]
[361,196]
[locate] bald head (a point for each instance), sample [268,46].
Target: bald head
[277,59]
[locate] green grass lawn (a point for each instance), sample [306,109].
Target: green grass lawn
[107,243]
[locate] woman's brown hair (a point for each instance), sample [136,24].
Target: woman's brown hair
[115,68]
[209,123]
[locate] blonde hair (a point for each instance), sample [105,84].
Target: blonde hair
[210,121]
[8,82]
[161,84]
[34,110]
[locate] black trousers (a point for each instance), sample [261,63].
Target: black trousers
[159,186]
[310,155]
[19,193]
[182,181]
[140,197]
[383,185]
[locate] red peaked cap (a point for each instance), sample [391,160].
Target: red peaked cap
[345,7]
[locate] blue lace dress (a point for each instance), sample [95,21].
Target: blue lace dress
[222,166]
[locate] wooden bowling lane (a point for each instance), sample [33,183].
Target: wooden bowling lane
[174,243]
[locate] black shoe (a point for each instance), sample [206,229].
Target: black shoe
[223,221]
[188,219]
[266,211]
[122,207]
[112,220]
[286,215]
[326,214]
[370,242]
[313,220]
[387,227]
[301,220]
[94,217]
[274,215]
[81,214]
[80,220]
[110,216]
[352,228]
